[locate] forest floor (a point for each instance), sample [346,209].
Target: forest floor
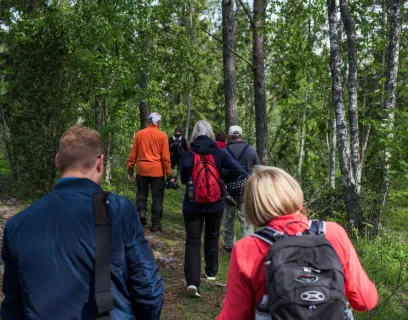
[168,249]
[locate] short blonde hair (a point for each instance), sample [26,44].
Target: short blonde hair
[202,128]
[79,148]
[269,193]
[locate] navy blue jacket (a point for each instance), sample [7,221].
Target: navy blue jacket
[49,250]
[223,160]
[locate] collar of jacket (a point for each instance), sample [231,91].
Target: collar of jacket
[290,223]
[155,126]
[77,183]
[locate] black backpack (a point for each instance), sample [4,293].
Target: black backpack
[176,147]
[304,275]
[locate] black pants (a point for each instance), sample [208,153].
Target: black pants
[194,223]
[157,190]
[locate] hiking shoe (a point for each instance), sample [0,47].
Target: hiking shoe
[210,278]
[226,249]
[143,218]
[156,229]
[193,291]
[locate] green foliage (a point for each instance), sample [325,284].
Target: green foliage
[385,261]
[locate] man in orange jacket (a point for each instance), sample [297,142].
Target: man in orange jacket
[151,152]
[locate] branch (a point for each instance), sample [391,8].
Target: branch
[251,21]
[232,50]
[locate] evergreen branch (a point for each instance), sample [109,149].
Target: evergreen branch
[230,49]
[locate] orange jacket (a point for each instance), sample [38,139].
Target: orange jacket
[246,276]
[151,152]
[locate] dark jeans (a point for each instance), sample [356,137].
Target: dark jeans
[194,223]
[157,190]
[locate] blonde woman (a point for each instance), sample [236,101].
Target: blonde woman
[273,198]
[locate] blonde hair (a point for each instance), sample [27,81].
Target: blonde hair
[202,128]
[269,193]
[79,148]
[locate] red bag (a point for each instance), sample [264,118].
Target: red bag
[206,179]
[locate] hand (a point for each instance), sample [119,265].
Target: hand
[172,180]
[130,176]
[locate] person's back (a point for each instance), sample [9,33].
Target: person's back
[274,199]
[150,151]
[49,255]
[245,154]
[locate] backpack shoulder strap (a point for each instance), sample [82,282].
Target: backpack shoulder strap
[318,227]
[103,235]
[230,151]
[268,235]
[243,152]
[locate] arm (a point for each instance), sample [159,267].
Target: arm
[360,291]
[12,305]
[133,155]
[186,165]
[184,143]
[144,283]
[235,170]
[165,156]
[238,300]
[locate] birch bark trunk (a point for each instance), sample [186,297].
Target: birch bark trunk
[350,191]
[388,109]
[350,29]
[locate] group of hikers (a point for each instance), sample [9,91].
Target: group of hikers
[81,253]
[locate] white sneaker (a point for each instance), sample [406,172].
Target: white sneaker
[210,278]
[192,291]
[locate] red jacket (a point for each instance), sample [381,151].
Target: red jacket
[221,144]
[246,275]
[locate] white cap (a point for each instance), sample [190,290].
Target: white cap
[235,131]
[155,117]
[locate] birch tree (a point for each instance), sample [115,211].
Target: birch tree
[351,191]
[388,110]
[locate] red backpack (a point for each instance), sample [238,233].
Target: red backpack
[206,179]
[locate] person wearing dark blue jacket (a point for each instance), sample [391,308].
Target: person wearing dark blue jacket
[209,215]
[49,248]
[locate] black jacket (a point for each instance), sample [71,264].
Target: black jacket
[223,160]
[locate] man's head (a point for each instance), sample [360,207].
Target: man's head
[80,154]
[235,133]
[177,131]
[155,118]
[221,136]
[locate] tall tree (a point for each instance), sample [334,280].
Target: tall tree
[350,191]
[258,47]
[350,29]
[228,59]
[388,109]
[257,20]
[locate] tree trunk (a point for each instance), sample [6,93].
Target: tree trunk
[332,172]
[7,143]
[189,98]
[228,60]
[98,114]
[108,171]
[350,29]
[188,115]
[144,114]
[301,144]
[258,48]
[388,109]
[350,190]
